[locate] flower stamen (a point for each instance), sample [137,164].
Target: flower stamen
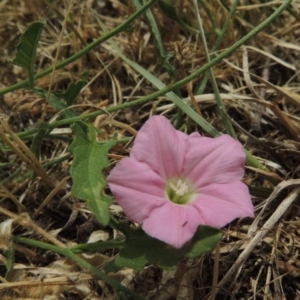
[181,187]
[180,191]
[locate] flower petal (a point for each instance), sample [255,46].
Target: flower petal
[173,224]
[219,204]
[160,146]
[214,160]
[137,188]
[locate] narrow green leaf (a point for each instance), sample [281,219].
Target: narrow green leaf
[168,8]
[38,139]
[90,158]
[140,250]
[26,49]
[73,91]
[157,40]
[10,259]
[57,103]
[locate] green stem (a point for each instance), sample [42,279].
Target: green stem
[85,50]
[120,226]
[119,288]
[209,15]
[200,89]
[98,246]
[221,107]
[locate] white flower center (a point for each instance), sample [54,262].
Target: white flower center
[181,187]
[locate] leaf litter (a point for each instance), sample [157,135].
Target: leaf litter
[259,85]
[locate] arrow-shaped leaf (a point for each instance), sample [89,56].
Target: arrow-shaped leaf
[90,158]
[26,49]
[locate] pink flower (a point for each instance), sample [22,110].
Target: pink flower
[173,182]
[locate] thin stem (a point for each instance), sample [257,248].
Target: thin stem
[221,107]
[122,227]
[97,246]
[201,87]
[119,288]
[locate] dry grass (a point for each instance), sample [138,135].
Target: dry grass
[259,85]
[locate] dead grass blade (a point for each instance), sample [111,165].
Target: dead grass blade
[25,221]
[50,196]
[12,197]
[27,156]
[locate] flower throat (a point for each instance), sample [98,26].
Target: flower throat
[179,191]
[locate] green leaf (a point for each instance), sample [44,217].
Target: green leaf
[38,138]
[26,49]
[90,159]
[74,90]
[10,259]
[57,103]
[141,249]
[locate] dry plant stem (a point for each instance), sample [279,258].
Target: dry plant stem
[269,270]
[267,284]
[70,24]
[15,190]
[28,157]
[277,289]
[50,196]
[285,121]
[6,283]
[37,283]
[261,233]
[281,186]
[189,89]
[2,279]
[55,61]
[216,272]
[20,206]
[255,123]
[255,115]
[28,223]
[256,6]
[281,115]
[207,98]
[267,173]
[28,252]
[256,281]
[123,126]
[192,96]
